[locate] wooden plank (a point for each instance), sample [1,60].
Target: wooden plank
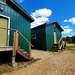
[15,43]
[13,54]
[29,52]
[23,54]
[8,28]
[59,46]
[25,39]
[6,48]
[64,40]
[16,40]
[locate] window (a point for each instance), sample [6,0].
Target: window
[54,24]
[3,1]
[33,36]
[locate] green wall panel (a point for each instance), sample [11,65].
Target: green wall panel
[49,36]
[19,22]
[45,36]
[58,33]
[40,41]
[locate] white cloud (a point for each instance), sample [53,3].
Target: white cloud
[71,20]
[67,30]
[19,1]
[65,20]
[66,27]
[44,12]
[41,16]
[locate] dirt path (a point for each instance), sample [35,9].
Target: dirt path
[62,63]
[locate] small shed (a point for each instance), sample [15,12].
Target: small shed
[46,35]
[14,28]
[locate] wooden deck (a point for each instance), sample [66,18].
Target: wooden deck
[18,51]
[6,48]
[15,48]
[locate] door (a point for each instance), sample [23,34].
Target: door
[3,32]
[55,38]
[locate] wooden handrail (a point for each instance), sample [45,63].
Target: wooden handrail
[24,38]
[63,43]
[18,33]
[59,45]
[15,43]
[8,29]
[60,40]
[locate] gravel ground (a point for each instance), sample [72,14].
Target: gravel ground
[51,63]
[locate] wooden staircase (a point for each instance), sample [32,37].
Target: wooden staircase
[54,47]
[59,46]
[19,51]
[23,53]
[15,48]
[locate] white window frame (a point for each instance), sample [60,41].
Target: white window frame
[33,36]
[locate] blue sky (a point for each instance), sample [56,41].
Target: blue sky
[62,11]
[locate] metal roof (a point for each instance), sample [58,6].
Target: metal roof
[47,24]
[55,22]
[23,11]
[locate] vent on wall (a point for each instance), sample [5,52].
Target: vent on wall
[3,1]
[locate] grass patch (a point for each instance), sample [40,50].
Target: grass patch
[70,48]
[33,61]
[1,72]
[6,68]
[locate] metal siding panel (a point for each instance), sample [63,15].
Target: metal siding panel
[58,34]
[17,21]
[49,36]
[40,41]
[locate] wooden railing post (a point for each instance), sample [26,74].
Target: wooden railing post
[15,43]
[29,51]
[64,42]
[15,47]
[59,46]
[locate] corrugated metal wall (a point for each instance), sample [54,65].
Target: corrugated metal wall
[50,35]
[45,36]
[19,22]
[40,41]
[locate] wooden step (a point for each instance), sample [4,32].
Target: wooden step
[5,48]
[54,47]
[22,53]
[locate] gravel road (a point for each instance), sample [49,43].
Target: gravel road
[51,63]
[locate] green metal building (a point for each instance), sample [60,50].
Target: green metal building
[13,16]
[45,35]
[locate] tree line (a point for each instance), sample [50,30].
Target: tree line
[70,39]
